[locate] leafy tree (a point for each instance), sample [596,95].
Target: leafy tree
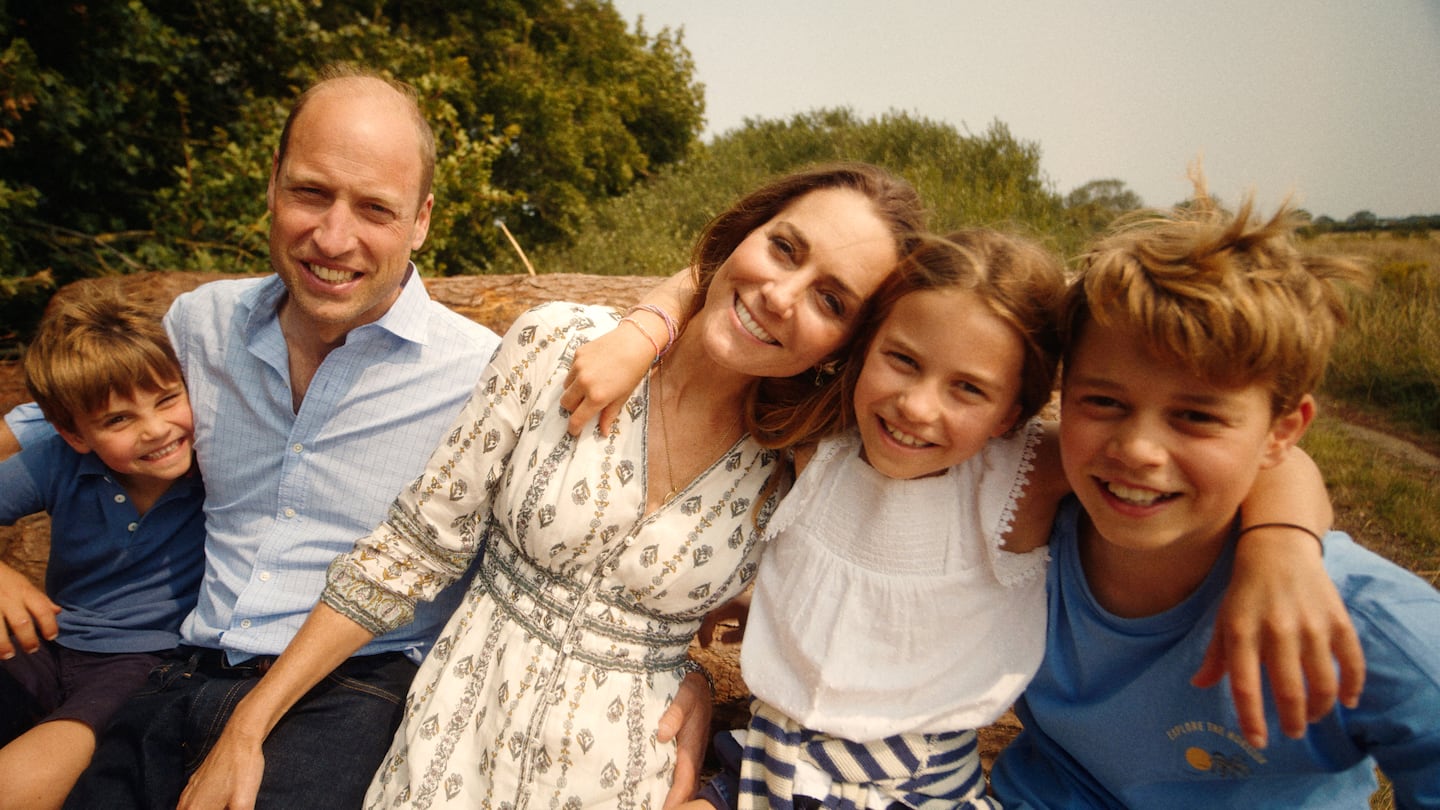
[1362,221]
[1094,205]
[589,107]
[138,134]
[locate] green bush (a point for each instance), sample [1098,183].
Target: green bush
[986,179]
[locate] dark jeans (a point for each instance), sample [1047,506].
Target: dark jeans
[321,755]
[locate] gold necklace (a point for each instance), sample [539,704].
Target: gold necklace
[671,489]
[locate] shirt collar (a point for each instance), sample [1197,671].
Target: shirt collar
[407,318]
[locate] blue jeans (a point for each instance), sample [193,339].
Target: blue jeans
[321,755]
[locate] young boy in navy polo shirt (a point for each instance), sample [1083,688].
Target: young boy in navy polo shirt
[127,536]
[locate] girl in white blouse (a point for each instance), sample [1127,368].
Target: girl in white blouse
[890,617]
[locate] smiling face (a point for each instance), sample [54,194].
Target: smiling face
[143,436]
[941,378]
[791,293]
[346,206]
[1160,458]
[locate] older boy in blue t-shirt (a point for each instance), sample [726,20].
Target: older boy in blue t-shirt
[127,535]
[1194,340]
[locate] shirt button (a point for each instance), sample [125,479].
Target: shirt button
[289,513]
[264,576]
[297,447]
[567,648]
[133,526]
[245,623]
[119,498]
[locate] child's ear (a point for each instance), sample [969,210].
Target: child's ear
[75,440]
[1287,429]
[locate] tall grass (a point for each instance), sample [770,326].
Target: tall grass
[1387,361]
[1387,364]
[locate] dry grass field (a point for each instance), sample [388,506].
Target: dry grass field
[1378,436]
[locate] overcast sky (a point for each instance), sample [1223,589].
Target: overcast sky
[1335,100]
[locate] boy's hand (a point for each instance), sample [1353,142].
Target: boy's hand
[27,613]
[687,722]
[1283,612]
[604,373]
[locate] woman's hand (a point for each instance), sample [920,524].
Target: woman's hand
[687,722]
[230,775]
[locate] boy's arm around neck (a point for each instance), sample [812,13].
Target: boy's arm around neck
[1282,610]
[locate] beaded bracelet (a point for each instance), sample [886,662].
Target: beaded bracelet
[690,665]
[1310,532]
[653,344]
[664,317]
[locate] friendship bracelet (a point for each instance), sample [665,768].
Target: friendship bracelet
[1310,532]
[664,317]
[653,344]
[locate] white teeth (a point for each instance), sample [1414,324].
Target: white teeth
[330,275]
[748,321]
[1131,495]
[903,437]
[156,455]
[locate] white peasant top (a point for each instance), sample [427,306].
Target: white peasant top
[887,606]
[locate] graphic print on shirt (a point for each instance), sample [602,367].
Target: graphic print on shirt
[1207,748]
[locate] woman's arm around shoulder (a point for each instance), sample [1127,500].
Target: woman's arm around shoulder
[1282,609]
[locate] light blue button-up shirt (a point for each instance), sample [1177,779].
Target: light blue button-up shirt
[287,491]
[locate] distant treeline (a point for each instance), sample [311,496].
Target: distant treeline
[1362,221]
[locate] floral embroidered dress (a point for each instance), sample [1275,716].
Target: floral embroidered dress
[546,688]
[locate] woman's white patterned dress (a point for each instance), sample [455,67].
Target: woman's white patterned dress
[546,687]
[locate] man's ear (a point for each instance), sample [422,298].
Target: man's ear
[75,440]
[422,222]
[1287,429]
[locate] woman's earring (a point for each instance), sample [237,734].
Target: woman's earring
[825,371]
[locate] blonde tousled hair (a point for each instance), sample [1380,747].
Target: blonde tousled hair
[1231,297]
